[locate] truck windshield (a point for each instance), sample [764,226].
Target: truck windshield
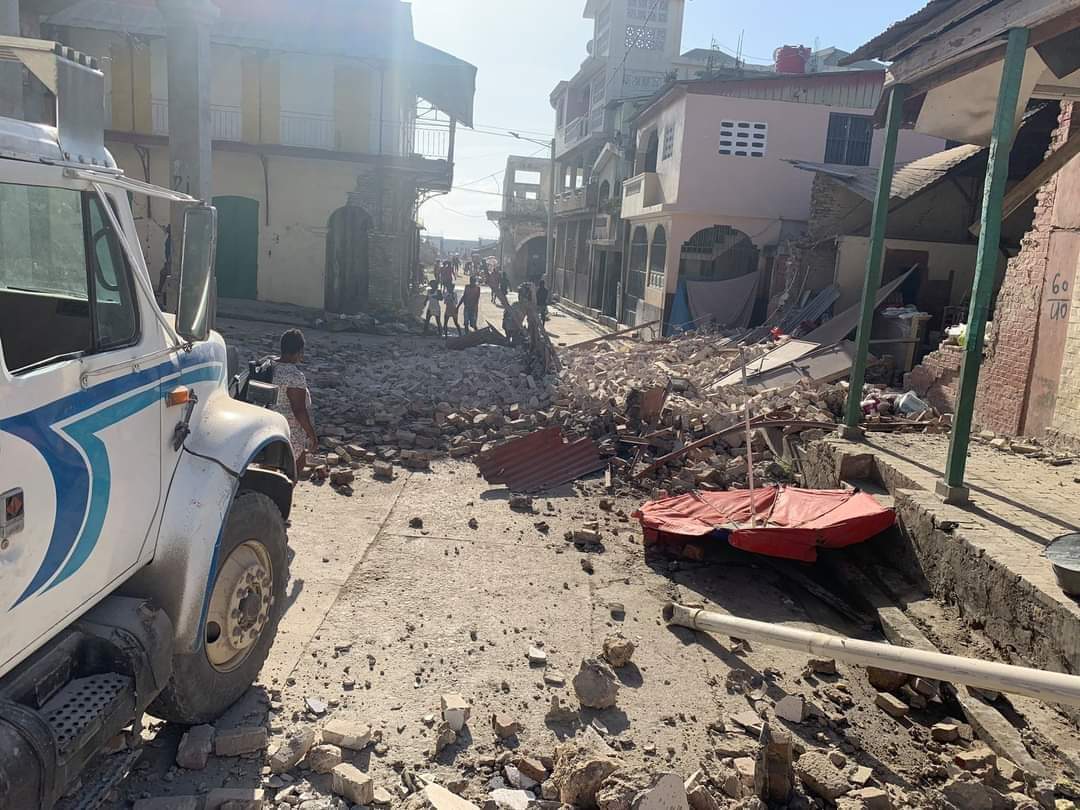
[65,286]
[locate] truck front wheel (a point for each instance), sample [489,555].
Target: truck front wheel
[245,604]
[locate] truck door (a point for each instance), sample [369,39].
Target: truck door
[80,429]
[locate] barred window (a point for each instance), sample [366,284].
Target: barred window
[669,141]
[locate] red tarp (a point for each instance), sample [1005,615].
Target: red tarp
[790,523]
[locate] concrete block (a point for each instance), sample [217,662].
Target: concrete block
[455,711]
[346,734]
[234,742]
[353,784]
[195,747]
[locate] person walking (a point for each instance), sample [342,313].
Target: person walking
[504,283]
[450,308]
[542,298]
[433,306]
[470,299]
[293,399]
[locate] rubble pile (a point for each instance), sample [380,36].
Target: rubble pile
[646,401]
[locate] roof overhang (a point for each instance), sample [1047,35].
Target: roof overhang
[950,55]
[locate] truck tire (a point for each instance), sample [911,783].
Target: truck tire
[246,603]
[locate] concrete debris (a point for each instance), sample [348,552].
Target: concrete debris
[596,685]
[455,711]
[324,758]
[292,751]
[445,736]
[195,747]
[235,799]
[791,708]
[774,775]
[892,705]
[618,651]
[506,799]
[820,776]
[235,742]
[353,784]
[885,680]
[582,763]
[344,734]
[505,726]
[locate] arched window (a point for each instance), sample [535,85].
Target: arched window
[605,192]
[652,151]
[658,257]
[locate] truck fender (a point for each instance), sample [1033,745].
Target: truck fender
[201,493]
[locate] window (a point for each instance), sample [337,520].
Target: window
[669,141]
[65,286]
[639,257]
[651,10]
[658,257]
[651,150]
[849,139]
[650,39]
[744,138]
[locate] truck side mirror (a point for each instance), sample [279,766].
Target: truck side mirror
[197,249]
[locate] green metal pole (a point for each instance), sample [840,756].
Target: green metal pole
[874,256]
[986,263]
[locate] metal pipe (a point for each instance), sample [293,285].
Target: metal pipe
[1052,687]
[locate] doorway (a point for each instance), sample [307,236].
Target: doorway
[347,260]
[237,264]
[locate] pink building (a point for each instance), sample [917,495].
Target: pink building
[714,196]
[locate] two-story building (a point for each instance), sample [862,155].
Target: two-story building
[523,218]
[713,195]
[327,123]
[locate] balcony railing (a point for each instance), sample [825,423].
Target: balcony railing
[581,199]
[604,229]
[641,192]
[225,121]
[307,129]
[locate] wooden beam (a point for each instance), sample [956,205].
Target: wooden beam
[934,27]
[1039,175]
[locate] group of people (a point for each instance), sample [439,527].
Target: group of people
[442,302]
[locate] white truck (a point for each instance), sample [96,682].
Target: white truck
[143,549]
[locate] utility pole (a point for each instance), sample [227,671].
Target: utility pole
[549,263]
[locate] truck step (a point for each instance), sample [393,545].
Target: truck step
[78,710]
[99,780]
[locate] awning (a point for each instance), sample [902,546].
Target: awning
[446,81]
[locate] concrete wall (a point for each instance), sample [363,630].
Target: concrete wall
[746,187]
[945,259]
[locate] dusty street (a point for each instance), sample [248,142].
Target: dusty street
[431,585]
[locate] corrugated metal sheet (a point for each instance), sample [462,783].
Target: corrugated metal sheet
[879,45]
[854,89]
[908,180]
[539,461]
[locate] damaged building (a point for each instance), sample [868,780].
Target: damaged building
[713,197]
[326,128]
[523,218]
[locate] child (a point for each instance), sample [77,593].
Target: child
[433,309]
[450,311]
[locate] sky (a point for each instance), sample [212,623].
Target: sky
[523,48]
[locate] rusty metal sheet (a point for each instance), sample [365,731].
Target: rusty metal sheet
[539,461]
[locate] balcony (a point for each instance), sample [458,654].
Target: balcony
[576,201]
[225,121]
[605,231]
[642,193]
[307,129]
